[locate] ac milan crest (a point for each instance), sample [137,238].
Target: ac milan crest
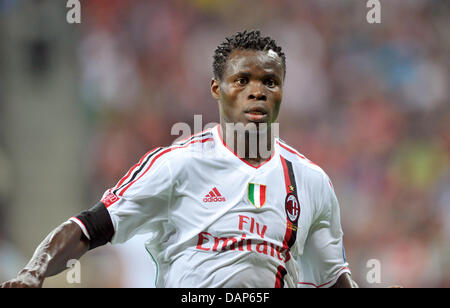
[292,208]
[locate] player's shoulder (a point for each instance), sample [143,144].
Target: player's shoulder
[185,149]
[299,160]
[310,171]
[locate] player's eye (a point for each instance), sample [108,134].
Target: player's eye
[241,81]
[270,83]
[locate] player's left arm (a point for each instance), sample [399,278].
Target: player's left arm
[323,263]
[345,280]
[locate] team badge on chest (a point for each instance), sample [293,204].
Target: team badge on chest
[292,208]
[257,194]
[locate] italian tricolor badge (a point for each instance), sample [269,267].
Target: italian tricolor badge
[257,194]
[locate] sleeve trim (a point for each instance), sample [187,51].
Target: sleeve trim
[98,224]
[81,225]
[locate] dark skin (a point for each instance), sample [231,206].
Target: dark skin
[250,90]
[64,243]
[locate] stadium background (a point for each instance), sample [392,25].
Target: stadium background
[79,104]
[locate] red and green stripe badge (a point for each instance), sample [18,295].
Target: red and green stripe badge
[257,194]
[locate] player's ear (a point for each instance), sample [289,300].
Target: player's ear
[215,88]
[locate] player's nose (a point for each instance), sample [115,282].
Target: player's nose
[256,92]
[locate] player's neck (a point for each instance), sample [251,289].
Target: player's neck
[252,145]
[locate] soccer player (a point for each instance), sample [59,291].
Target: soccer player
[219,210]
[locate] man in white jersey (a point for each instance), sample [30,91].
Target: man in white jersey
[217,216]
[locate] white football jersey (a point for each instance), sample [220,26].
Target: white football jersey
[216,221]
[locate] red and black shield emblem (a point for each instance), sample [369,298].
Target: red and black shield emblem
[292,208]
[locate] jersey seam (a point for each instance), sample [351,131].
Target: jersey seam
[172,188]
[321,205]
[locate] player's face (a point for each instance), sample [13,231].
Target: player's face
[251,87]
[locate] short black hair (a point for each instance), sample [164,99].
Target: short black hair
[244,40]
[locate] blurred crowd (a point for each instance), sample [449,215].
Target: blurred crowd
[367,102]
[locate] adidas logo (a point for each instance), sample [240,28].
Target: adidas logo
[214,196]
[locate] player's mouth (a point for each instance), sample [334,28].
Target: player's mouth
[256,114]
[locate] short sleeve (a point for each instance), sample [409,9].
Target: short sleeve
[142,205]
[137,204]
[323,259]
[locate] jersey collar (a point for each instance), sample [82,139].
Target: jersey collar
[223,146]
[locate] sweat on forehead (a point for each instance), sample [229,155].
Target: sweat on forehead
[272,53]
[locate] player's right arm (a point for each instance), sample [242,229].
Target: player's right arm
[138,203]
[64,243]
